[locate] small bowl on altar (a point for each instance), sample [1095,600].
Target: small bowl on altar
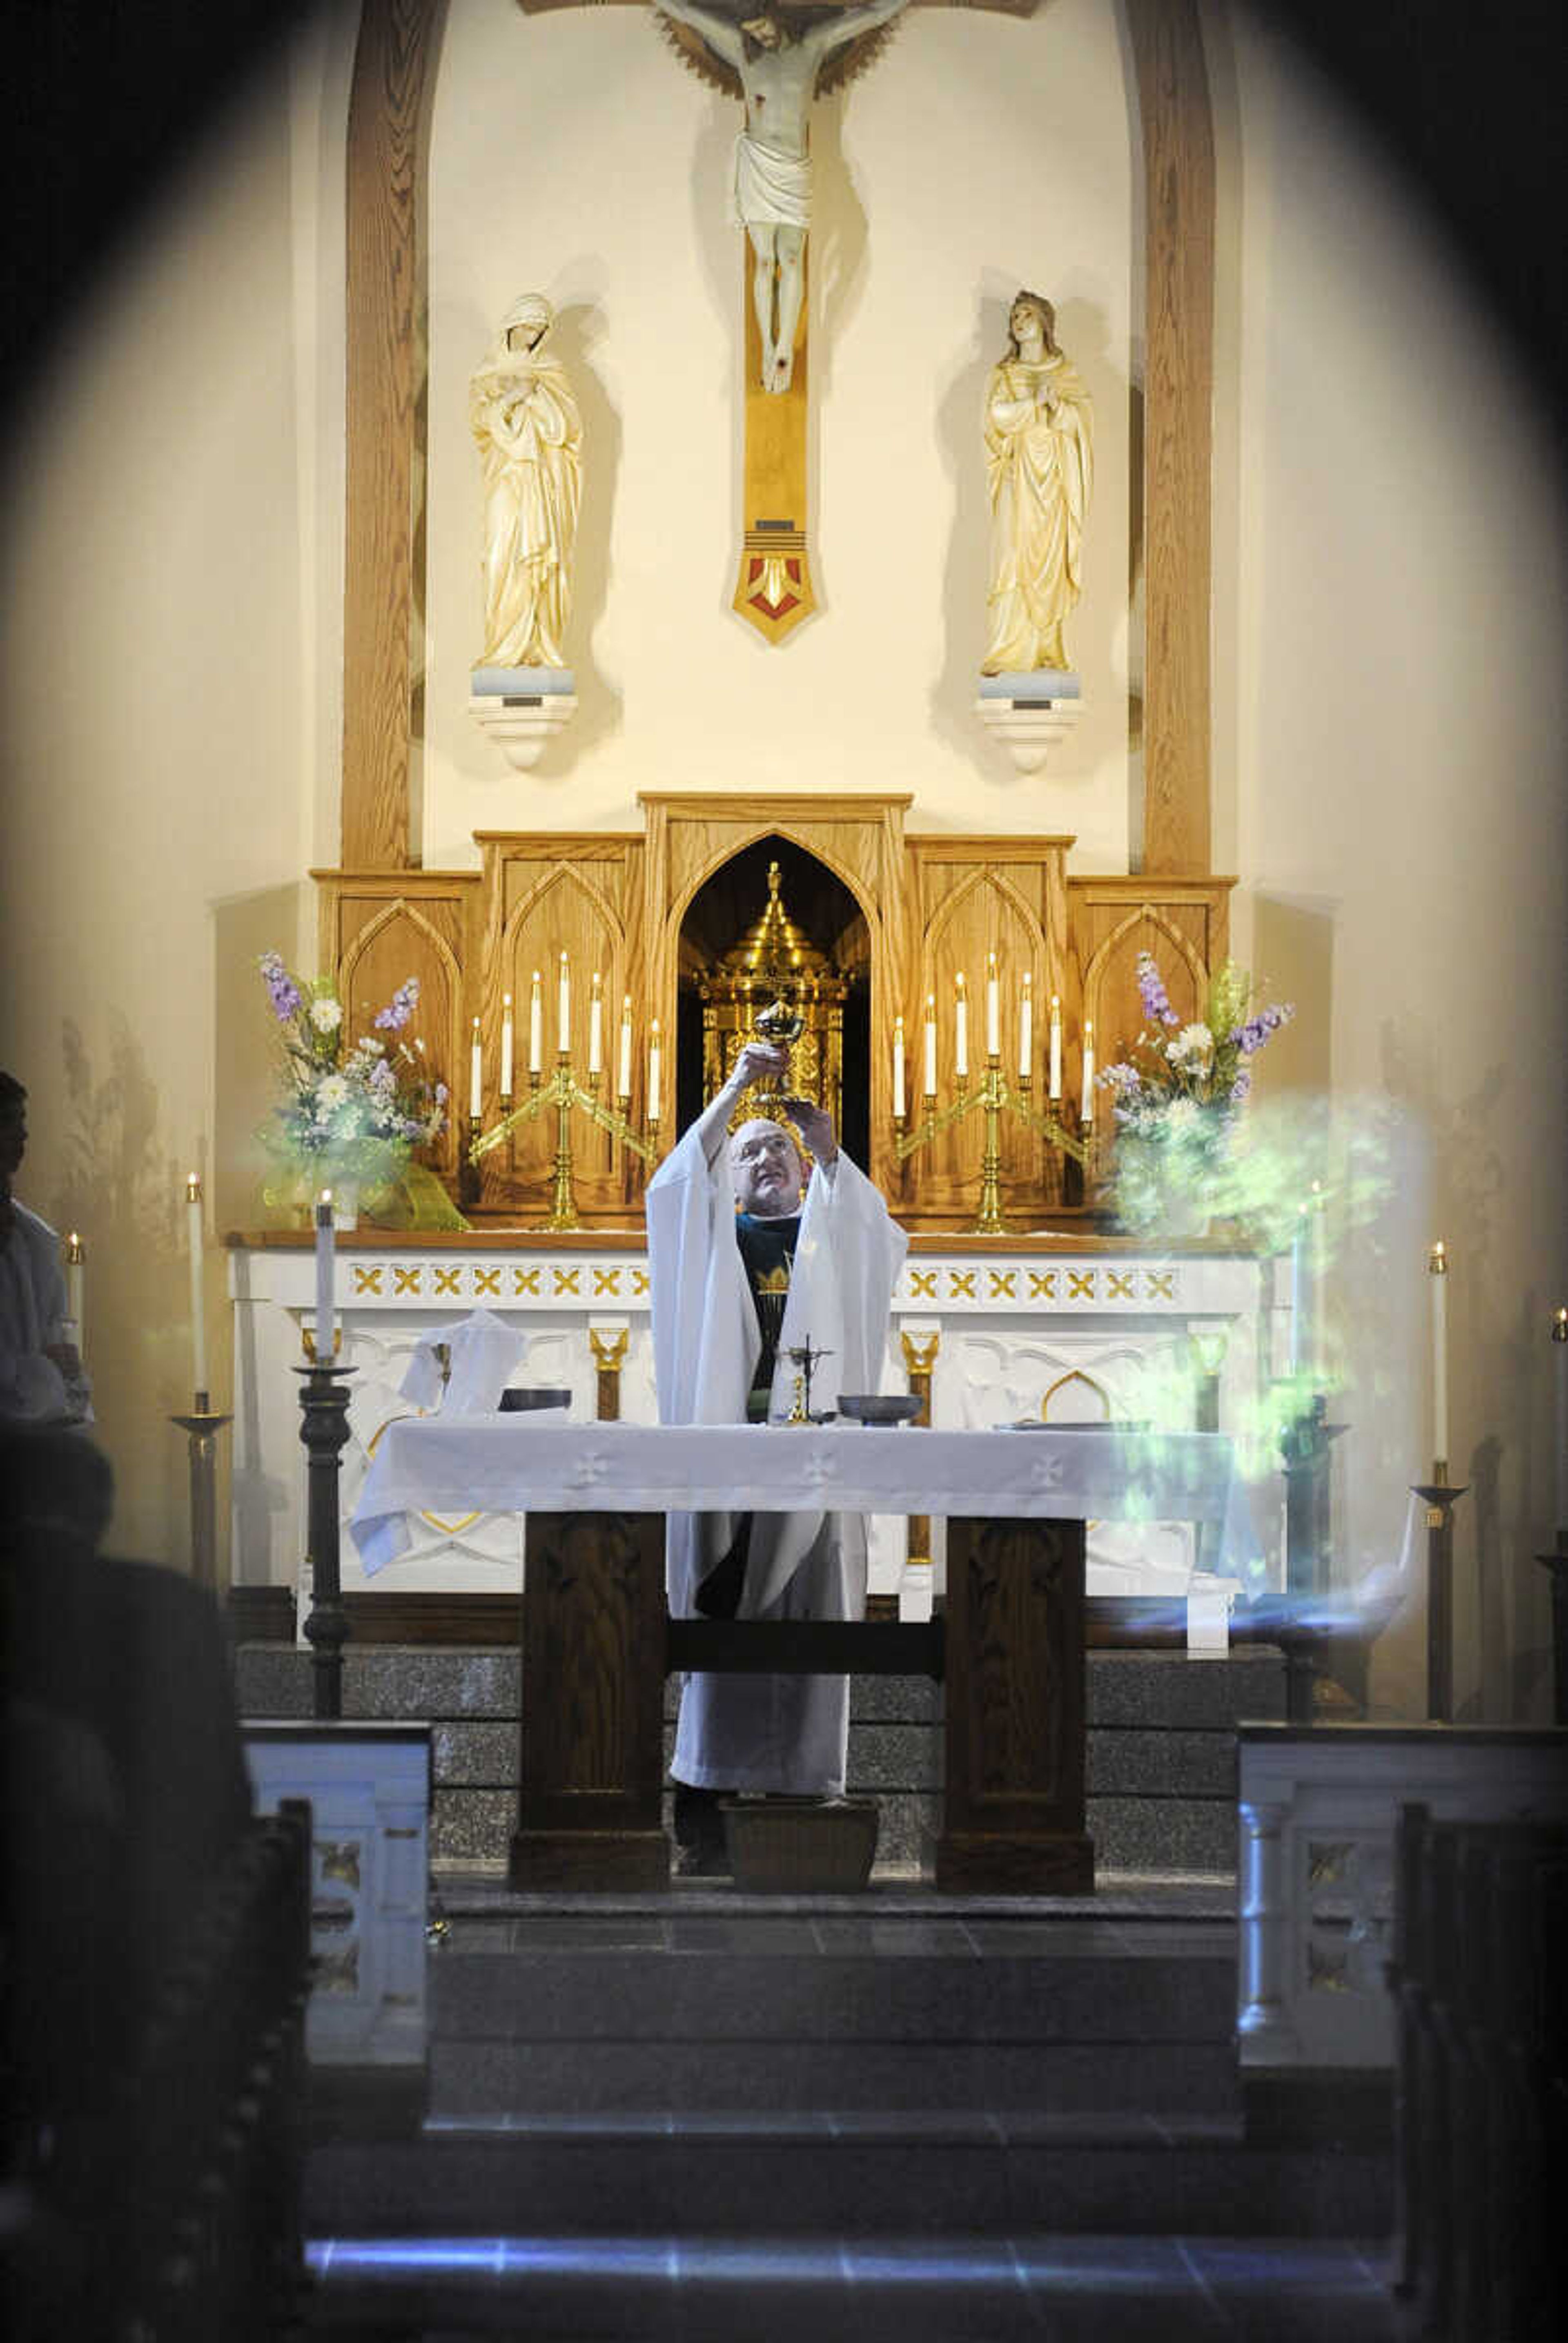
[879,1407]
[522,1399]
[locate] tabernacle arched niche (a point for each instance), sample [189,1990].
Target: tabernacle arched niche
[767,892]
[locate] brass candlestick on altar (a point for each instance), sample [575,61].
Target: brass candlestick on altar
[568,1097]
[995,1097]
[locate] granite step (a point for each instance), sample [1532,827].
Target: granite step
[1160,1746]
[1149,1835]
[844,2174]
[1129,1688]
[794,1991]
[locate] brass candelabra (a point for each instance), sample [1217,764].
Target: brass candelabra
[568,1096]
[994,1096]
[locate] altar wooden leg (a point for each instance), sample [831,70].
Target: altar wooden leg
[593,1698]
[1014,1815]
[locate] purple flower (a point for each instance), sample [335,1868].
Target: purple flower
[1241,1085]
[286,996]
[1252,1036]
[400,1008]
[1151,993]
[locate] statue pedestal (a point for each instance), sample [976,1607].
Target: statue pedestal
[1028,714]
[522,707]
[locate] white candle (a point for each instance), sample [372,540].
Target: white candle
[1026,1030]
[653,1054]
[960,1030]
[898,1068]
[1437,1266]
[1560,1351]
[536,1024]
[476,1076]
[1318,1256]
[506,1045]
[992,1009]
[564,1008]
[324,1267]
[1055,1045]
[1298,1243]
[75,1281]
[623,1083]
[596,1025]
[931,1081]
[198,1310]
[1089,1070]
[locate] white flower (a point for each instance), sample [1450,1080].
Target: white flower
[332,1091]
[326,1015]
[1181,1116]
[1193,1042]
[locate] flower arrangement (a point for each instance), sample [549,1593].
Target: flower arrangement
[354,1110]
[1175,1098]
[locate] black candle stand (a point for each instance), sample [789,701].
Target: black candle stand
[323,1399]
[201,1428]
[1440,1501]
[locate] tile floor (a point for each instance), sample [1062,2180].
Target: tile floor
[929,2287]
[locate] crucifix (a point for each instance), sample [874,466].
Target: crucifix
[776,62]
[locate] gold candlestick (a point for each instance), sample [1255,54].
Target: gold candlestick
[568,1097]
[995,1097]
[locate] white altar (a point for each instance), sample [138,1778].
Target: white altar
[1074,1472]
[1043,1327]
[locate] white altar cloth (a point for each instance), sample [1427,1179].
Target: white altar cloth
[504,1463]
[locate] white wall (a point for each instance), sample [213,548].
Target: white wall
[574,154]
[1388,626]
[157,671]
[1388,660]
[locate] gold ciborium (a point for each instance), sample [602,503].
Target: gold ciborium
[780,1022]
[781,1025]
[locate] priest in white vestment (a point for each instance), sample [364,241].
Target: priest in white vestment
[741,1273]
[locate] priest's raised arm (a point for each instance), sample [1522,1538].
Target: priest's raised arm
[742,1271]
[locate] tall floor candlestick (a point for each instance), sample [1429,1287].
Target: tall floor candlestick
[326,1264]
[1437,1265]
[324,1400]
[1557,1561]
[75,1285]
[1560,1366]
[198,1299]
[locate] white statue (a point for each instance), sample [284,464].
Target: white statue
[1040,465]
[525,422]
[778,70]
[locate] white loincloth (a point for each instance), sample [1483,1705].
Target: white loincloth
[771,189]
